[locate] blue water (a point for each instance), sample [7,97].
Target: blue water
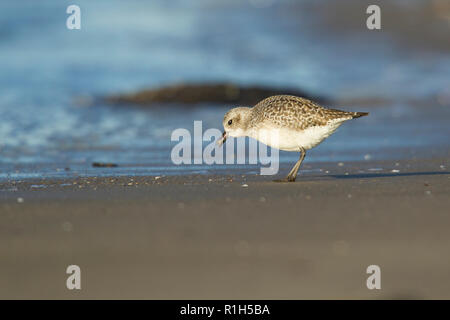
[45,69]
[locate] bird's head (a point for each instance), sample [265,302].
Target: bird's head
[235,123]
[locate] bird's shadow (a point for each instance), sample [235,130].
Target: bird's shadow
[387,174]
[367,175]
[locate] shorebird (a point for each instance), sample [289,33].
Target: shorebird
[287,123]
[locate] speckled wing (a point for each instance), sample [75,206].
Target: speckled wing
[296,113]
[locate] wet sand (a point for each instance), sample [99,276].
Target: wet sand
[200,236]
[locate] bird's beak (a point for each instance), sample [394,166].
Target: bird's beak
[222,140]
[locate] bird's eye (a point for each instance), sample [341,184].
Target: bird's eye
[230,122]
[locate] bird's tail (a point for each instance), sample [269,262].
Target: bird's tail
[359,114]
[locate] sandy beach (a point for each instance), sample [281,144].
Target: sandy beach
[232,237]
[93,114]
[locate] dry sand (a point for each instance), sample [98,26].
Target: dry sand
[188,237]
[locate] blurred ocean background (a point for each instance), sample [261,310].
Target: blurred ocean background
[400,74]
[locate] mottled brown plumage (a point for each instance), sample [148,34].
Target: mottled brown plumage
[296,113]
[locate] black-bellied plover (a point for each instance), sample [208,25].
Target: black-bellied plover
[287,123]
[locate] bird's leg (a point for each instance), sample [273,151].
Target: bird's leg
[293,173]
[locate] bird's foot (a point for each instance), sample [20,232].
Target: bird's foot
[287,179]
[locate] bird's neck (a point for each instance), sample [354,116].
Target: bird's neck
[246,115]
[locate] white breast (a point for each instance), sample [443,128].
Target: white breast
[291,140]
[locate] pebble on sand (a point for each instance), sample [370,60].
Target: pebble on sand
[67,226]
[103,165]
